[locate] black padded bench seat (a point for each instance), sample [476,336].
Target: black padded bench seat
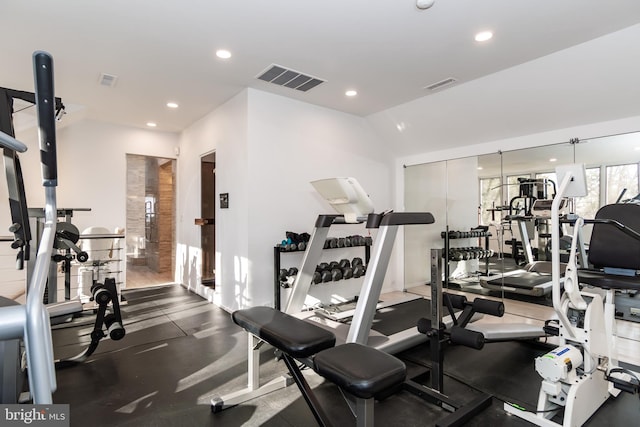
[361,371]
[294,336]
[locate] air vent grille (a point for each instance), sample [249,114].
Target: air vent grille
[108,80]
[441,83]
[286,77]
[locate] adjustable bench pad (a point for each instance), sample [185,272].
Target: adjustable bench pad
[360,370]
[295,337]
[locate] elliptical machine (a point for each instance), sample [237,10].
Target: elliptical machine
[583,372]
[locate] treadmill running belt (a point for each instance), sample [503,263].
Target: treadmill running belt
[523,280]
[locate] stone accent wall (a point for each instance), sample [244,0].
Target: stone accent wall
[150,226]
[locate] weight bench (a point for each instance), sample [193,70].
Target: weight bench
[360,371]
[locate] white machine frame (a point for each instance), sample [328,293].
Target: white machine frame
[575,373]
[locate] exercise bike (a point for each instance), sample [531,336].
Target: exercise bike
[583,372]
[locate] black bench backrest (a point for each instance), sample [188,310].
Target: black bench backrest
[611,247]
[294,336]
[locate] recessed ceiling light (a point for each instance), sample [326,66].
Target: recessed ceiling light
[351,92]
[553,159]
[172,105]
[223,54]
[152,124]
[483,36]
[480,168]
[637,148]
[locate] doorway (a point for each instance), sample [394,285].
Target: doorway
[150,229]
[207,220]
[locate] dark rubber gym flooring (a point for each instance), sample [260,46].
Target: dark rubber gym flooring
[180,350]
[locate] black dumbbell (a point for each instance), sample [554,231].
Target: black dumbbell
[347,273]
[322,266]
[325,275]
[356,261]
[283,275]
[302,246]
[317,277]
[357,240]
[293,271]
[341,243]
[345,263]
[336,274]
[347,242]
[358,270]
[334,264]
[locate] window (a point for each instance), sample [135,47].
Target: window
[620,178]
[586,207]
[490,197]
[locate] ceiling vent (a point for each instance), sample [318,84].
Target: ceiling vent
[282,76]
[108,80]
[441,83]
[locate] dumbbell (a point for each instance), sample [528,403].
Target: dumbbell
[368,241]
[358,270]
[336,274]
[317,277]
[347,242]
[347,273]
[356,261]
[357,240]
[334,264]
[344,263]
[322,266]
[293,271]
[283,274]
[341,242]
[325,275]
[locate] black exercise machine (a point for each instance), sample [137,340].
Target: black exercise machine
[64,235]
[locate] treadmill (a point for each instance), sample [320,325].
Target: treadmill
[534,279]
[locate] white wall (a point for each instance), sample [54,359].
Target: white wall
[268,148]
[225,132]
[293,143]
[91,174]
[91,169]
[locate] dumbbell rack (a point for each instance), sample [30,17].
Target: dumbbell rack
[278,250]
[449,235]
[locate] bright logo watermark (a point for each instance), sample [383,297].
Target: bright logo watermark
[35,415]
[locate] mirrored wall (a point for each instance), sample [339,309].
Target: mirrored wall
[492,195]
